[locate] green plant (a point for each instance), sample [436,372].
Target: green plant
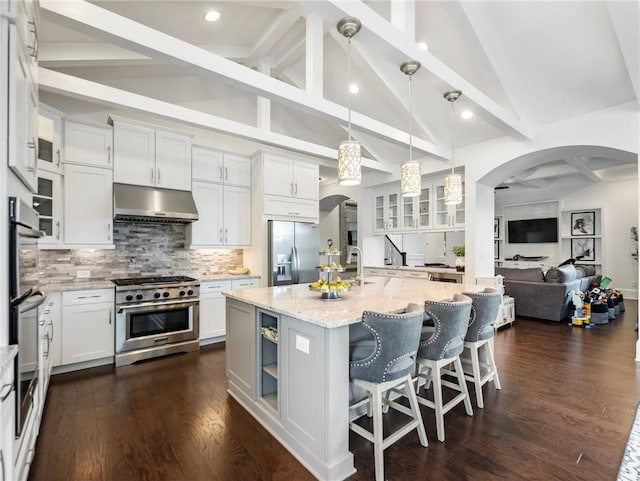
[634,236]
[458,251]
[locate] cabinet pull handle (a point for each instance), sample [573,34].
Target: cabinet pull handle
[152,175]
[221,175]
[89,297]
[158,177]
[294,213]
[226,236]
[226,173]
[6,390]
[109,154]
[32,145]
[296,192]
[108,232]
[291,188]
[110,316]
[58,155]
[220,235]
[52,330]
[58,229]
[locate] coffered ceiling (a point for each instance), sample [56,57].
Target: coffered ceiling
[274,72]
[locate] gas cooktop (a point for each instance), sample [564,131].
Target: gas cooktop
[156,280]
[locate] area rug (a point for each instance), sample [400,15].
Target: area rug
[630,465]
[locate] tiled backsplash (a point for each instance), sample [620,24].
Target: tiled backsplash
[141,250]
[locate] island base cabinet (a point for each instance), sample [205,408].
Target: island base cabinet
[241,347]
[297,387]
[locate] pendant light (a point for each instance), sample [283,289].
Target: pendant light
[453,181]
[349,159]
[410,175]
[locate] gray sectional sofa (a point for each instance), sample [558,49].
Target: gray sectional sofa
[545,295]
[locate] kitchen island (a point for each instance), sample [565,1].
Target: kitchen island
[288,360]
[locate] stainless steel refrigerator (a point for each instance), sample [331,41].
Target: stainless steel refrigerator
[293,252]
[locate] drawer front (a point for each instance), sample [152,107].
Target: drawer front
[417,275]
[245,283]
[392,273]
[290,207]
[211,287]
[92,296]
[374,272]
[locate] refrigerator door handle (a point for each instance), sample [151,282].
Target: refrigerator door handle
[295,265]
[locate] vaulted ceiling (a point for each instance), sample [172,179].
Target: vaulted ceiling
[275,72]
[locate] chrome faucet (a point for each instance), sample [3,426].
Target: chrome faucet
[360,276]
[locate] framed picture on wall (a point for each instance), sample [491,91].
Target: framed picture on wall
[583,249]
[496,249]
[496,228]
[583,223]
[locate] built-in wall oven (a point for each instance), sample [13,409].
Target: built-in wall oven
[24,299]
[156,316]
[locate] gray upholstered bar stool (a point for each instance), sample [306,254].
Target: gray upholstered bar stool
[384,361]
[440,346]
[484,313]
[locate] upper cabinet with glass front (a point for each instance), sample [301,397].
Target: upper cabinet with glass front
[49,139]
[386,210]
[448,216]
[394,213]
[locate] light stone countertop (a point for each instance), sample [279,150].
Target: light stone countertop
[7,354]
[441,270]
[382,295]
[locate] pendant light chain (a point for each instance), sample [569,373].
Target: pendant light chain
[410,118]
[453,133]
[349,85]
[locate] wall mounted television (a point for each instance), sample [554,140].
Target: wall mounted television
[533,230]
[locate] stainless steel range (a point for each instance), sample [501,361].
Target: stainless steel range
[156,316]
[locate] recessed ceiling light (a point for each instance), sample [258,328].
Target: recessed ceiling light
[424,46]
[354,89]
[466,114]
[212,16]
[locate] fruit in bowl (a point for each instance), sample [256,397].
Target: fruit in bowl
[239,270]
[335,284]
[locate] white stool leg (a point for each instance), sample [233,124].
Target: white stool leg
[477,379]
[463,385]
[437,400]
[415,409]
[378,451]
[492,362]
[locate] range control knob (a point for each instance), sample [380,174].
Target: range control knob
[139,296]
[157,295]
[165,294]
[190,292]
[129,297]
[182,293]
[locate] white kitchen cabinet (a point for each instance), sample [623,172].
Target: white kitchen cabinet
[87,325]
[49,329]
[224,216]
[88,206]
[213,305]
[7,423]
[23,112]
[49,139]
[288,177]
[146,155]
[448,215]
[386,208]
[215,166]
[47,201]
[416,211]
[212,308]
[88,144]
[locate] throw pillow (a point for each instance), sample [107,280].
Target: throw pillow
[588,270]
[565,273]
[580,272]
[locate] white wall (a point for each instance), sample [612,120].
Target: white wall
[330,227]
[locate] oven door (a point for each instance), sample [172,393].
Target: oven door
[152,324]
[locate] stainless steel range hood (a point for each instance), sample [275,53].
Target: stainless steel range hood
[137,203]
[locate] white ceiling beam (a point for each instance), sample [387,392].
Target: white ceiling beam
[99,54]
[289,57]
[625,18]
[314,68]
[403,16]
[93,20]
[378,34]
[274,33]
[582,168]
[263,110]
[69,86]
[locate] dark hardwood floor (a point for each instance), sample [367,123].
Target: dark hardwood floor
[564,412]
